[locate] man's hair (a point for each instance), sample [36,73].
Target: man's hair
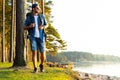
[34,5]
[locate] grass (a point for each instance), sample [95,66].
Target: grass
[51,73]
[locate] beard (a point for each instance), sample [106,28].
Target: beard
[36,11]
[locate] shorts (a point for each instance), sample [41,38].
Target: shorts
[37,43]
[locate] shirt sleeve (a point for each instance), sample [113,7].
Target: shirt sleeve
[27,21]
[44,20]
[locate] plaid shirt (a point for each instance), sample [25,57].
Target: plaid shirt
[41,21]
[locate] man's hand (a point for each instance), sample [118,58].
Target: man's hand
[32,25]
[41,27]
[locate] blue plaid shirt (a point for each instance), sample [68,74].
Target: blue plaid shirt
[41,21]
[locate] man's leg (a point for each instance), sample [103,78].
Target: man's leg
[42,58]
[33,43]
[42,61]
[34,59]
[41,48]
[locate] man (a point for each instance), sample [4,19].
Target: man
[35,24]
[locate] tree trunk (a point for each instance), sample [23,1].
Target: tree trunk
[20,17]
[3,34]
[32,1]
[42,6]
[11,35]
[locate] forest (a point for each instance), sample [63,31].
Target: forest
[74,56]
[14,44]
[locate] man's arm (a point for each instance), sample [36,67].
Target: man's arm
[28,24]
[32,25]
[43,27]
[44,22]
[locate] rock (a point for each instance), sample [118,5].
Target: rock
[90,76]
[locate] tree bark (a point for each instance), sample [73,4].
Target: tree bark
[42,6]
[11,35]
[3,33]
[20,17]
[32,1]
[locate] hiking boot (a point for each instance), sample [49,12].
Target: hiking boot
[35,70]
[41,68]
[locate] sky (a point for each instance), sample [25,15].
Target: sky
[89,25]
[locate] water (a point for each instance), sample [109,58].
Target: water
[103,68]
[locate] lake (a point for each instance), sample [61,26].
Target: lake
[103,68]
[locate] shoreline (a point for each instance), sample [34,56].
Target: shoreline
[92,76]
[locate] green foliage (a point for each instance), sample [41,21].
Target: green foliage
[48,15]
[106,58]
[57,58]
[81,56]
[5,65]
[53,31]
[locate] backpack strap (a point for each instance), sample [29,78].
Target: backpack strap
[31,17]
[42,20]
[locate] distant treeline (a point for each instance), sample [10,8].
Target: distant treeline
[80,56]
